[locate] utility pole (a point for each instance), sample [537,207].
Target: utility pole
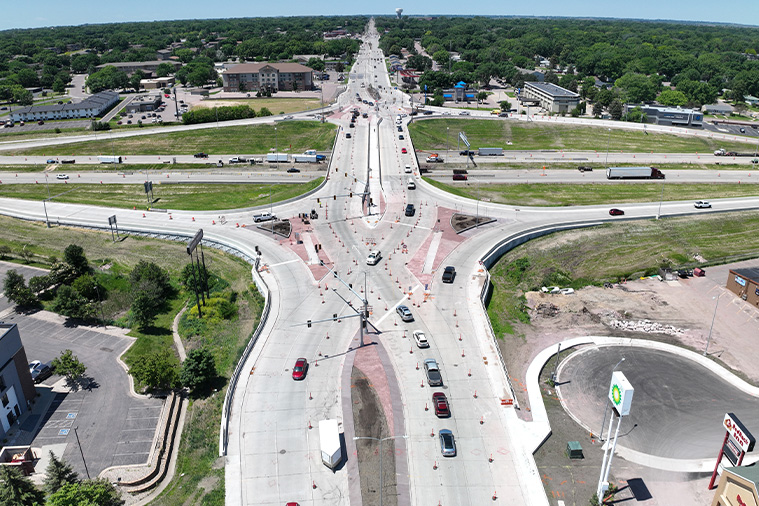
[79,444]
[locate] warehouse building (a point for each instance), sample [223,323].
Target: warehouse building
[90,107]
[275,76]
[745,284]
[551,97]
[16,385]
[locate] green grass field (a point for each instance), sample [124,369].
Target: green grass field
[610,252]
[292,136]
[275,105]
[431,135]
[187,197]
[594,194]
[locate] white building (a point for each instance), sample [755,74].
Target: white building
[552,98]
[90,107]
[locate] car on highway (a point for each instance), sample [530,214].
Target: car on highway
[374,257]
[400,128]
[293,170]
[504,115]
[447,443]
[702,204]
[616,212]
[440,402]
[348,135]
[200,155]
[410,210]
[352,125]
[50,160]
[400,137]
[407,169]
[39,371]
[404,151]
[421,339]
[459,177]
[405,313]
[449,274]
[62,176]
[431,369]
[464,113]
[300,369]
[585,168]
[427,113]
[68,160]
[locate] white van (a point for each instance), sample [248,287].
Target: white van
[411,185]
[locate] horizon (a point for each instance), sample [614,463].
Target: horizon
[88,12]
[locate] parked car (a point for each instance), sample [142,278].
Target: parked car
[39,371]
[449,274]
[702,204]
[410,210]
[442,408]
[405,313]
[293,170]
[447,443]
[421,339]
[616,212]
[300,369]
[61,176]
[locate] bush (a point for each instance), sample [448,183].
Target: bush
[16,290]
[264,112]
[225,113]
[71,303]
[215,310]
[39,283]
[157,370]
[198,369]
[74,256]
[88,287]
[98,126]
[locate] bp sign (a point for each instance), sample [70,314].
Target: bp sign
[620,393]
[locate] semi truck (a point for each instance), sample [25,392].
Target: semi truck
[109,159]
[490,151]
[329,440]
[634,173]
[276,157]
[724,152]
[319,157]
[305,158]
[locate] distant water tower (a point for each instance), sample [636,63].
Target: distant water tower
[398,13]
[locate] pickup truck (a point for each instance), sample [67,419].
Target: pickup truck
[258,218]
[434,379]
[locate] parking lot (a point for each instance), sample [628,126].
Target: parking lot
[114,426]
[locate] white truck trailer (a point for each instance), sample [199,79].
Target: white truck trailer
[329,438]
[305,158]
[109,159]
[490,151]
[277,157]
[634,173]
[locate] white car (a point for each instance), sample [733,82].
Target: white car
[61,176]
[407,169]
[464,113]
[263,217]
[421,339]
[702,204]
[374,257]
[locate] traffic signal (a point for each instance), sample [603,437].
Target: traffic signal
[308,323]
[334,197]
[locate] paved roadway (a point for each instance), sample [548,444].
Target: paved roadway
[273,457]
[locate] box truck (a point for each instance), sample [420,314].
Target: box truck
[329,439]
[490,151]
[634,173]
[276,157]
[109,159]
[305,158]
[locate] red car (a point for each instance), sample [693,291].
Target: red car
[440,401]
[459,177]
[299,371]
[403,150]
[616,212]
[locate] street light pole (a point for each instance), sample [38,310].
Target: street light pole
[606,409]
[658,214]
[276,148]
[380,441]
[608,142]
[712,325]
[447,154]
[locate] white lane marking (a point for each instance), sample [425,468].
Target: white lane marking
[412,226]
[429,260]
[392,309]
[285,263]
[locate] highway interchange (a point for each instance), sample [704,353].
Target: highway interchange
[272,456]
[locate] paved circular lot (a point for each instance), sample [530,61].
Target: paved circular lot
[677,408]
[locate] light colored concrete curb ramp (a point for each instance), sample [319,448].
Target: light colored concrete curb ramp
[540,428]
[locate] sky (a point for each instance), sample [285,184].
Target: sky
[39,13]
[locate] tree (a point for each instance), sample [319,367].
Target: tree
[198,369]
[148,273]
[156,370]
[315,63]
[164,69]
[75,257]
[482,96]
[505,105]
[70,302]
[636,87]
[134,80]
[144,309]
[441,57]
[57,474]
[23,97]
[672,98]
[68,365]
[598,109]
[241,87]
[615,109]
[99,492]
[88,287]
[16,290]
[4,251]
[419,62]
[17,489]
[59,86]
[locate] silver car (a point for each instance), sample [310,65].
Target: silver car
[405,313]
[447,443]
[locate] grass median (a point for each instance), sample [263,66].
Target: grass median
[275,105]
[290,136]
[181,197]
[436,134]
[594,194]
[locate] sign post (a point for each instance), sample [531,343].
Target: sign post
[738,440]
[620,395]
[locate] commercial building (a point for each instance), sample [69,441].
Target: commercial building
[551,97]
[459,93]
[155,84]
[670,116]
[148,67]
[90,107]
[275,76]
[16,384]
[725,109]
[745,284]
[144,103]
[738,486]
